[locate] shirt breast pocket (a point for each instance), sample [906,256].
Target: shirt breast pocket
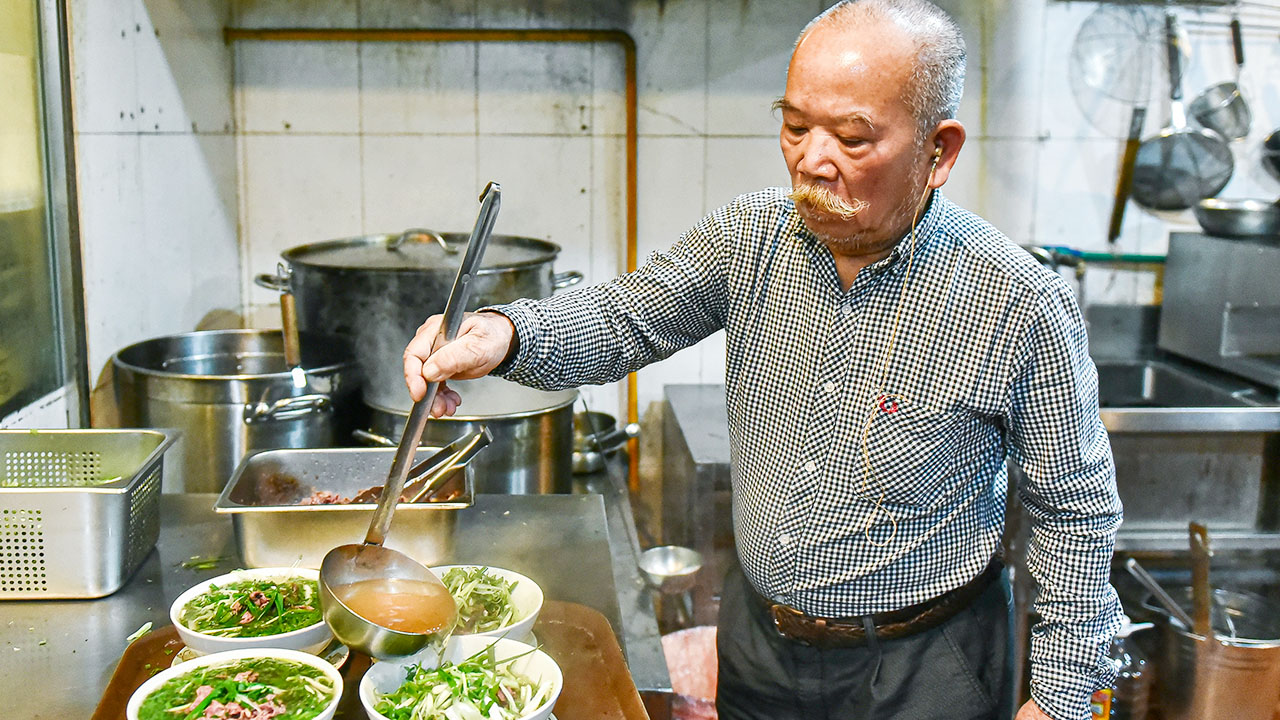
[912,448]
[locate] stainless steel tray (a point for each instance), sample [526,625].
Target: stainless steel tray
[79,509]
[272,530]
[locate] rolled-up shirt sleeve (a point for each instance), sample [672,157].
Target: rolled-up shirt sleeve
[1057,437]
[599,334]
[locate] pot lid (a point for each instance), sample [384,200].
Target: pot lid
[420,251]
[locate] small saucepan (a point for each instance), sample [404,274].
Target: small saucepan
[596,436]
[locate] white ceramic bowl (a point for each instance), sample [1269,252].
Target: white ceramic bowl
[537,666]
[310,639]
[154,683]
[527,597]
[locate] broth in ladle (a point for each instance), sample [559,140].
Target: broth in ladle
[410,606]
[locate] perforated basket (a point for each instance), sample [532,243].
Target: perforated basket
[79,509]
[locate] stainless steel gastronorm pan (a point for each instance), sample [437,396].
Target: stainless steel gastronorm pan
[272,530]
[79,509]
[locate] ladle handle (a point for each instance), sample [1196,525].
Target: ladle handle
[1162,597]
[1237,43]
[1173,55]
[1201,593]
[490,200]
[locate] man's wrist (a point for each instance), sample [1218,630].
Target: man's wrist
[513,349]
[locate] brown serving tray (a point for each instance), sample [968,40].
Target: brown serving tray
[597,683]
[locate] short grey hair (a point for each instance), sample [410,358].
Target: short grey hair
[937,80]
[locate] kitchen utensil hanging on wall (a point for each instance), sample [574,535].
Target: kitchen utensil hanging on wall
[1180,165]
[1124,180]
[1221,107]
[1114,58]
[1271,154]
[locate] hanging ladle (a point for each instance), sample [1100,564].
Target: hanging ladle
[352,572]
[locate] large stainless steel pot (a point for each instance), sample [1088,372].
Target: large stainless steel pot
[1225,677]
[532,448]
[373,292]
[230,392]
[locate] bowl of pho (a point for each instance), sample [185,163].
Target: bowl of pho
[480,677]
[492,602]
[283,684]
[259,608]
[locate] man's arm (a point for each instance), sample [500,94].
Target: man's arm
[593,335]
[599,334]
[1057,437]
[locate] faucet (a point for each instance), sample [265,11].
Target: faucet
[1053,258]
[1044,256]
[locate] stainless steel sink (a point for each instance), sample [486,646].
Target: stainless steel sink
[1161,396]
[1152,383]
[1189,444]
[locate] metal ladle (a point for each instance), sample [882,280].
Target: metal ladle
[347,564]
[1140,574]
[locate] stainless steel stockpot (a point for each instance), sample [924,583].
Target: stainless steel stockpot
[532,447]
[230,392]
[372,292]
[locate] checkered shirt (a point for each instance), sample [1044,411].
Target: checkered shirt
[990,361]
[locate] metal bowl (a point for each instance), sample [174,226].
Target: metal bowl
[670,568]
[1238,218]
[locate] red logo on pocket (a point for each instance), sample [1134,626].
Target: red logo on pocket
[888,404]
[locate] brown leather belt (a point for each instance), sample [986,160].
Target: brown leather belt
[848,632]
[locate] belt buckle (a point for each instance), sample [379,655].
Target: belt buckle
[779,613]
[789,623]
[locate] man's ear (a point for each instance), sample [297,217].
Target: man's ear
[947,139]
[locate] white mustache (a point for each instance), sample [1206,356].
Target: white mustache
[824,200]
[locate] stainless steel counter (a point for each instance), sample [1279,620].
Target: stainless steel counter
[57,656]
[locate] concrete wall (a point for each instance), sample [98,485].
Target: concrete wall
[264,146]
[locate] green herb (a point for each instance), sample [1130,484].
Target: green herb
[479,686]
[483,599]
[297,691]
[200,562]
[254,608]
[146,628]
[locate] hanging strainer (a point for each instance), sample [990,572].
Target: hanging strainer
[1180,165]
[1114,59]
[1222,108]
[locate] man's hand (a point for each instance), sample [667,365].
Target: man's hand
[1031,711]
[482,342]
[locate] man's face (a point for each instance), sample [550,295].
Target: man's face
[847,129]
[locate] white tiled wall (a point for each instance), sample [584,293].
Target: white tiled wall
[337,139]
[157,168]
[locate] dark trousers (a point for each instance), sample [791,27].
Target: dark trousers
[957,671]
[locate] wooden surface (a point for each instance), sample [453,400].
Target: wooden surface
[597,683]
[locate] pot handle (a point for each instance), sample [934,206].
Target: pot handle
[289,408]
[278,282]
[563,280]
[395,242]
[611,441]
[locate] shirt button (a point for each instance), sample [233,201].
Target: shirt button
[829,387]
[846,309]
[784,539]
[811,466]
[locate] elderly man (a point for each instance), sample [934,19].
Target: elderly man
[886,352]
